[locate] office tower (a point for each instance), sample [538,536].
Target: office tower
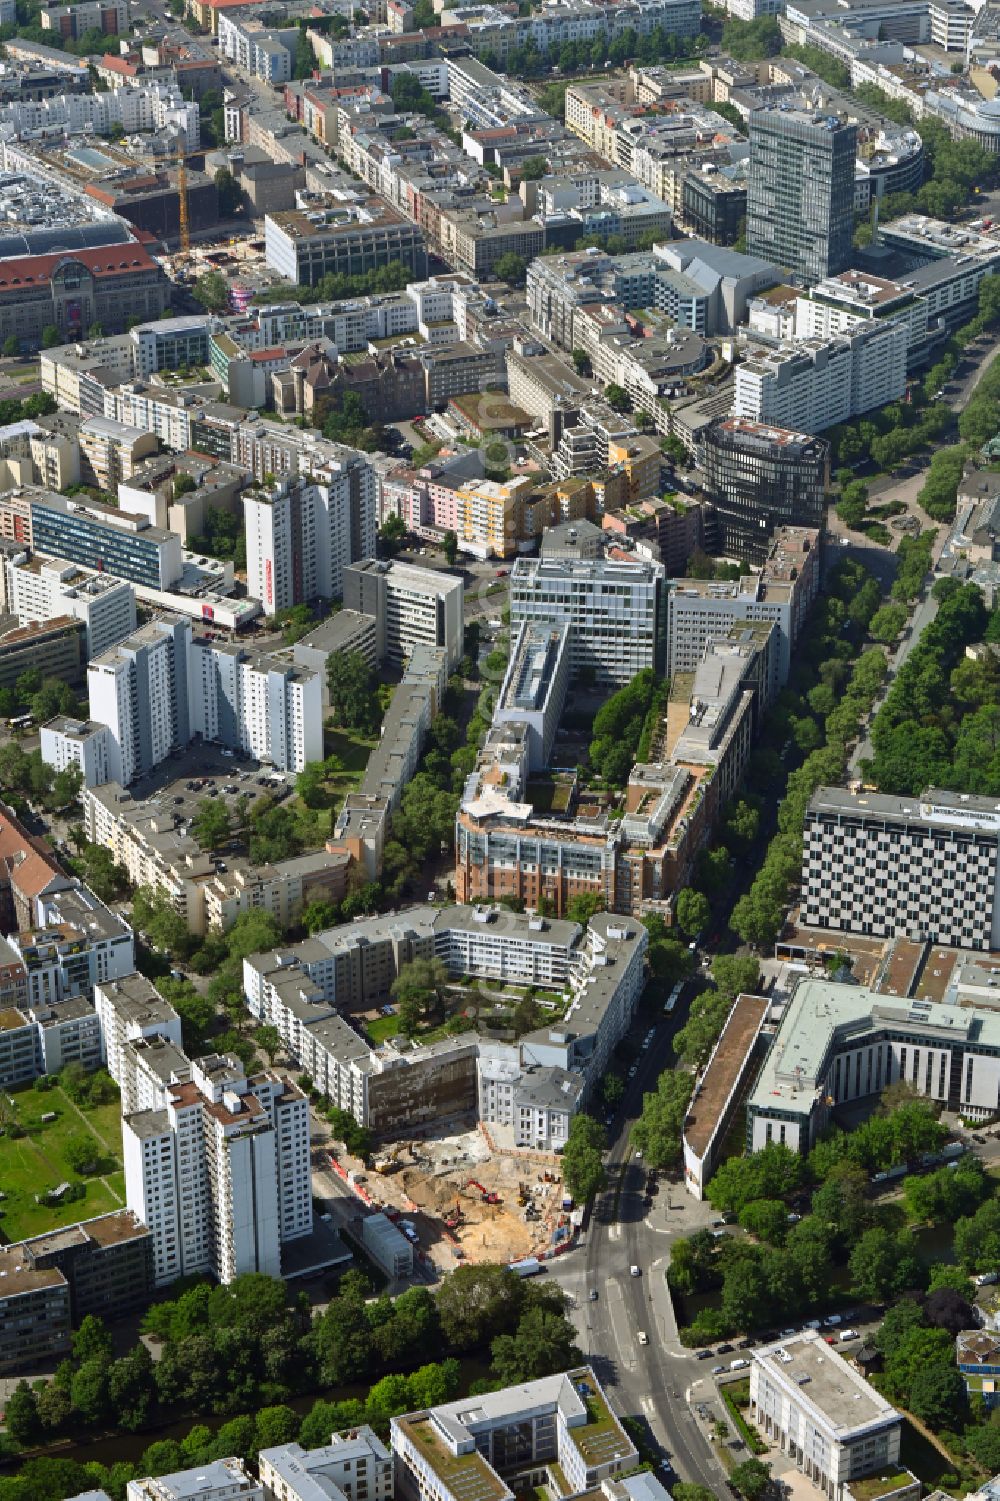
[140,691]
[616,612]
[800,200]
[923,868]
[411,606]
[760,477]
[221,1174]
[302,535]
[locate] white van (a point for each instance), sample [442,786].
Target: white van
[739,1364]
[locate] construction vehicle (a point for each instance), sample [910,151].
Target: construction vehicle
[487,1196]
[522,1194]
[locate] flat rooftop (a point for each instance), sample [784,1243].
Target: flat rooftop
[837,1394]
[467,1477]
[723,1072]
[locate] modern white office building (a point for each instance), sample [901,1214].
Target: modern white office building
[533,691]
[922,867]
[699,610]
[257,704]
[353,1466]
[844,1044]
[807,1399]
[139,690]
[221,1173]
[218,1480]
[301,536]
[42,588]
[615,610]
[481,1445]
[411,607]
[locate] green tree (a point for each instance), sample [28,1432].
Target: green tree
[583,907]
[618,399]
[767,1219]
[449,544]
[533,168]
[210,825]
[353,692]
[772,1173]
[82,1153]
[751,1478]
[423,982]
[938,1396]
[11,346]
[693,911]
[212,291]
[392,534]
[476,1303]
[874,1265]
[886,624]
[92,1340]
[89,1391]
[268,1039]
[510,268]
[657,1132]
[542,1344]
[582,1165]
[50,336]
[21,1416]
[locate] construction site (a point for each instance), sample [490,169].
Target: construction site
[466,1202]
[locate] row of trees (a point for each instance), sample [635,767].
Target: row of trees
[940,723]
[820,715]
[657,1132]
[232,1349]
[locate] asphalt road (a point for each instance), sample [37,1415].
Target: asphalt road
[651,1381]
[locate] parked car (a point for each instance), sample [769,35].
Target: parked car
[846,1334]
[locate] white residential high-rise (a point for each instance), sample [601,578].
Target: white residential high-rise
[40,590]
[221,1174]
[128,1009]
[302,535]
[153,692]
[812,384]
[140,691]
[257,704]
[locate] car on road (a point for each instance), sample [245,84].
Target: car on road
[725,1349]
[634,1271]
[788,1333]
[702,1354]
[592,1295]
[642,1337]
[717,1370]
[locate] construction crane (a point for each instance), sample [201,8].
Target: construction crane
[182,203]
[182,157]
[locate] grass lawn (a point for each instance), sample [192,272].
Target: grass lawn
[34,1163]
[382,1028]
[353,750]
